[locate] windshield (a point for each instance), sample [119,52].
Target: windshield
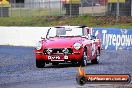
[62,31]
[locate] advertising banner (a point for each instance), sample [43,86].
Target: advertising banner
[71,1]
[115,1]
[115,38]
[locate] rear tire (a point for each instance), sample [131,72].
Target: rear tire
[96,60]
[84,58]
[40,63]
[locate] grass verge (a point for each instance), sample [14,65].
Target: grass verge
[102,21]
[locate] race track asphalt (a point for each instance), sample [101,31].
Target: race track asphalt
[18,70]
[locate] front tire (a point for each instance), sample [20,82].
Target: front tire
[55,63]
[40,63]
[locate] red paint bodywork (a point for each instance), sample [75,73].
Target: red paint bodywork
[68,42]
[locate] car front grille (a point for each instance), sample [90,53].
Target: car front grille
[57,51]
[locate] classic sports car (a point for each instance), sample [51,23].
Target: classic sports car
[67,44]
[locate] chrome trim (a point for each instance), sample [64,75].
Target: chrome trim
[76,52]
[39,52]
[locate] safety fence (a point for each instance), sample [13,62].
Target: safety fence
[60,8]
[57,8]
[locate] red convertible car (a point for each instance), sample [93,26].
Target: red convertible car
[64,44]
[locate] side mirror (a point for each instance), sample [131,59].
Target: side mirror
[43,37]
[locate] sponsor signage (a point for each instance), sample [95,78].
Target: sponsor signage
[115,38]
[71,1]
[115,1]
[82,78]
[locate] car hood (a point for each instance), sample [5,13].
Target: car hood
[62,42]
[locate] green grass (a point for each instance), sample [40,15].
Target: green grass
[124,22]
[27,12]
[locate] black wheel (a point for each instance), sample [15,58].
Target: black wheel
[78,63]
[84,58]
[73,63]
[96,60]
[40,63]
[55,63]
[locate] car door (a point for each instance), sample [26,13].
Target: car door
[93,49]
[88,43]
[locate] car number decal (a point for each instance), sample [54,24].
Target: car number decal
[57,58]
[93,48]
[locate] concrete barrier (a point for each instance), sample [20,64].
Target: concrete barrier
[112,38]
[21,36]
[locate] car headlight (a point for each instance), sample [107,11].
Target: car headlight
[65,50]
[38,46]
[77,46]
[49,51]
